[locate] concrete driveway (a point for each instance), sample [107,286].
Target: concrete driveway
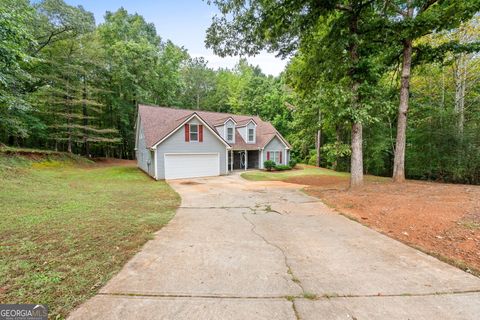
[264,250]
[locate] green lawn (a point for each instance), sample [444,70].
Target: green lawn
[66,229]
[282,175]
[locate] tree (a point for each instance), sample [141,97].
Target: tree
[198,81]
[283,27]
[65,95]
[16,37]
[169,85]
[131,52]
[411,20]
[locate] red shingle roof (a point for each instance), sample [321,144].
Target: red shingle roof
[158,122]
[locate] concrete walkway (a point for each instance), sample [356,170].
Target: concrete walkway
[264,250]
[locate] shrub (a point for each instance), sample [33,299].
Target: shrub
[269,164]
[292,163]
[282,167]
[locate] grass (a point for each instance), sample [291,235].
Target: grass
[283,175]
[470,224]
[310,296]
[66,229]
[304,171]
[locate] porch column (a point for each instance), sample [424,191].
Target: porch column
[260,165]
[246,159]
[231,159]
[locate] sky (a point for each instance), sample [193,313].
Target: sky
[184,22]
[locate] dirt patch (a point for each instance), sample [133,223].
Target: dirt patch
[442,219]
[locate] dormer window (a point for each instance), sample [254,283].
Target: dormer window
[193,132]
[229,134]
[251,135]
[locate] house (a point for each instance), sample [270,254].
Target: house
[177,143]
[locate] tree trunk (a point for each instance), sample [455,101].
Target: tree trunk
[356,160]
[85,119]
[338,141]
[318,138]
[399,159]
[69,120]
[460,73]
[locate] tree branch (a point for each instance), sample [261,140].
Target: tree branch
[427,5]
[343,7]
[50,37]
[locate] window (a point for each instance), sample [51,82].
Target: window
[276,156]
[194,132]
[251,135]
[229,134]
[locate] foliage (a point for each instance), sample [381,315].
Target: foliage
[269,164]
[334,151]
[15,39]
[282,167]
[69,84]
[292,163]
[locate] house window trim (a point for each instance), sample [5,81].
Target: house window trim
[190,132]
[253,135]
[274,154]
[230,139]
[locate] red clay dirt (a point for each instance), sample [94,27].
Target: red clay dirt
[441,219]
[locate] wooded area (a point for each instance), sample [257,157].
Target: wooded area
[358,70]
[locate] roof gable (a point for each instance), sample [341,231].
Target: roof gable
[245,122]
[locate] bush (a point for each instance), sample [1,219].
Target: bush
[292,163]
[282,167]
[269,165]
[312,159]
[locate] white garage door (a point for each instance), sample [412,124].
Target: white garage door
[178,166]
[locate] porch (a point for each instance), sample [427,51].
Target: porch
[244,159]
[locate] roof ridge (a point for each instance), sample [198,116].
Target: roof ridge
[198,110]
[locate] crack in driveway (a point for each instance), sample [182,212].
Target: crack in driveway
[287,265]
[289,298]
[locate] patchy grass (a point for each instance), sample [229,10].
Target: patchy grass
[66,229]
[330,295]
[303,171]
[310,296]
[470,224]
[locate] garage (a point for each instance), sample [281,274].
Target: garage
[191,165]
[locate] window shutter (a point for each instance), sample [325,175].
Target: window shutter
[281,157]
[187,132]
[268,155]
[200,132]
